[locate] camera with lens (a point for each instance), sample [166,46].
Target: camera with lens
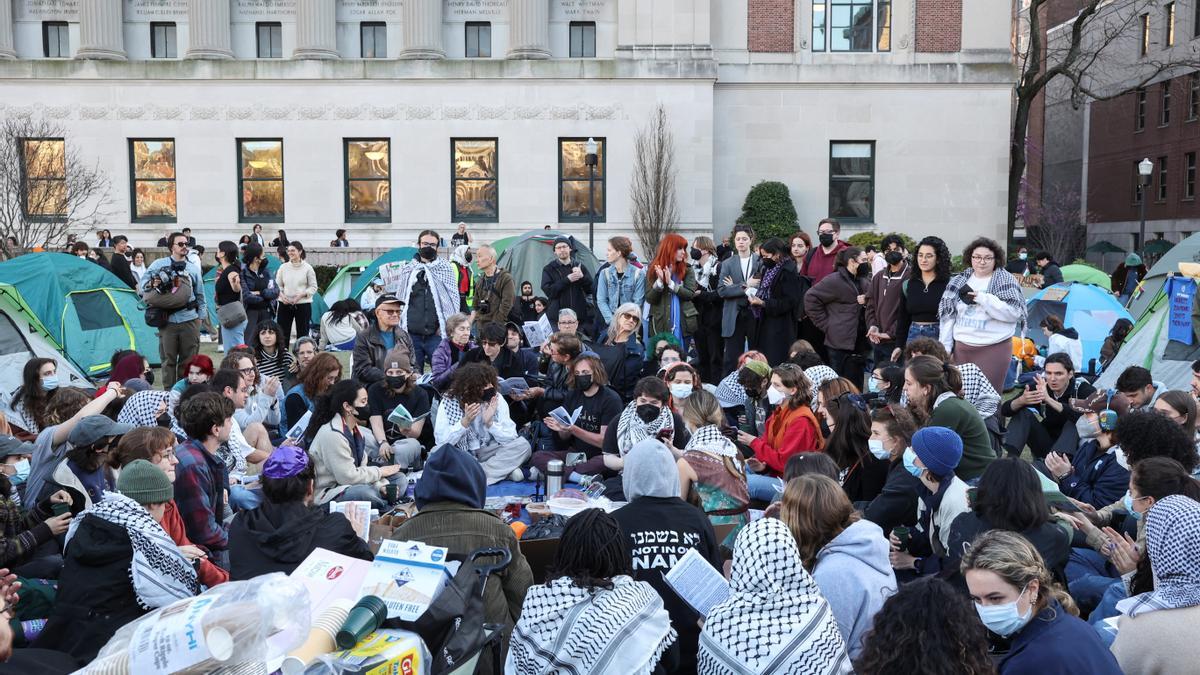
[484,307]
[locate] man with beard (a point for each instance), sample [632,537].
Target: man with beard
[567,284]
[427,287]
[819,263]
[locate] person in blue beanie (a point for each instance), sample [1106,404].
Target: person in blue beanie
[932,459]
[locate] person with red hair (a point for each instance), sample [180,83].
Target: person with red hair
[197,370]
[670,289]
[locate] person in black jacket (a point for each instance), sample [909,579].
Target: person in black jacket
[567,284]
[776,302]
[285,528]
[1042,417]
[258,288]
[892,429]
[1051,272]
[119,263]
[709,306]
[659,528]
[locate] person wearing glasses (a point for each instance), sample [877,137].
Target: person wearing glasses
[981,310]
[427,288]
[179,340]
[373,344]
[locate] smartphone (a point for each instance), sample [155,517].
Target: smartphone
[574,458]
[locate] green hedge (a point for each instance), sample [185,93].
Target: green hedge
[769,211]
[325,274]
[863,239]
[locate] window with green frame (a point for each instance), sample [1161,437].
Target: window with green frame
[368,180]
[573,173]
[475,179]
[260,180]
[152,180]
[852,181]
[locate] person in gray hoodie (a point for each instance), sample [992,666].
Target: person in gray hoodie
[847,556]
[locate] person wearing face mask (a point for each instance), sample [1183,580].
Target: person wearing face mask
[22,532]
[884,297]
[384,335]
[599,406]
[474,417]
[427,289]
[791,428]
[399,443]
[711,471]
[1020,265]
[682,379]
[820,261]
[863,473]
[835,305]
[339,451]
[648,415]
[1026,612]
[27,404]
[932,458]
[892,429]
[1094,475]
[776,302]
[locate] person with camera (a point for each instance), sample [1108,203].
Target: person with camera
[495,291]
[174,277]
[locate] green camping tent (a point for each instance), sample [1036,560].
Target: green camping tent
[1148,345]
[525,257]
[210,294]
[340,286]
[364,279]
[86,311]
[1187,250]
[1086,274]
[23,337]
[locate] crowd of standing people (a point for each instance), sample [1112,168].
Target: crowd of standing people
[890,496]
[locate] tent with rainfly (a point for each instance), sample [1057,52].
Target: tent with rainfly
[343,282]
[1149,343]
[210,297]
[525,257]
[85,311]
[1089,309]
[400,254]
[23,337]
[1187,250]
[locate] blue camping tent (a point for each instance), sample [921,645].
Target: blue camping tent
[1088,309]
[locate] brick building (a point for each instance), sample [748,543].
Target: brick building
[389,116]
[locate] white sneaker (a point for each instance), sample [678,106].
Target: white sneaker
[534,474]
[516,476]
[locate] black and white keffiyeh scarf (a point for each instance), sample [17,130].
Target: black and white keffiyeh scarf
[443,284]
[729,393]
[819,375]
[159,571]
[775,620]
[567,629]
[1173,543]
[631,428]
[473,437]
[142,409]
[1003,285]
[710,439]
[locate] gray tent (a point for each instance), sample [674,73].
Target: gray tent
[525,257]
[1187,250]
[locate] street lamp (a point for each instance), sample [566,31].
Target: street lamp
[590,161]
[1145,167]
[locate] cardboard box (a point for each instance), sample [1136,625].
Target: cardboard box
[383,527]
[407,576]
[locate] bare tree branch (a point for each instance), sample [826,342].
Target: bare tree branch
[654,209]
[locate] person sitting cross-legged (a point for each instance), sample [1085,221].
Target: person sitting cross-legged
[1041,417]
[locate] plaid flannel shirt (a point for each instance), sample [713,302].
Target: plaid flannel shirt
[200,485]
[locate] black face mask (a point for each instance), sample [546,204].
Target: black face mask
[768,263]
[583,382]
[362,412]
[468,256]
[696,253]
[396,382]
[149,377]
[427,253]
[864,270]
[648,412]
[826,238]
[893,257]
[163,420]
[487,396]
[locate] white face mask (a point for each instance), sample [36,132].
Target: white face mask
[877,449]
[774,396]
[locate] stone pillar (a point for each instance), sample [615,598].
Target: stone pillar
[423,30]
[316,30]
[101,30]
[208,30]
[6,32]
[529,29]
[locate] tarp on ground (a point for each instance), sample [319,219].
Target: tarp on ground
[525,257]
[1187,250]
[1088,309]
[87,313]
[1149,345]
[1086,274]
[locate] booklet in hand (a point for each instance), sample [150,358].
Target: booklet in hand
[698,582]
[513,385]
[567,419]
[404,419]
[298,428]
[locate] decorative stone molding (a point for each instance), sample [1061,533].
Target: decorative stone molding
[456,112]
[239,113]
[132,112]
[347,112]
[492,112]
[94,112]
[205,113]
[167,112]
[309,112]
[385,112]
[58,112]
[420,112]
[277,112]
[529,112]
[564,113]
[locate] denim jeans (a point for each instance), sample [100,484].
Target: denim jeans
[916,331]
[763,488]
[232,337]
[365,492]
[1089,575]
[242,498]
[423,348]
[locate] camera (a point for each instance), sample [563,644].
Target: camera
[484,307]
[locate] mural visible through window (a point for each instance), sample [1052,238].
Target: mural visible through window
[153,179]
[476,179]
[44,174]
[573,174]
[261,180]
[368,180]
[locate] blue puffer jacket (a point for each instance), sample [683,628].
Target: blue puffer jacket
[1097,478]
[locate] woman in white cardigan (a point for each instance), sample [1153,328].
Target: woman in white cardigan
[339,449]
[474,417]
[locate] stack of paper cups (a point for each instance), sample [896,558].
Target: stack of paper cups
[113,664]
[321,638]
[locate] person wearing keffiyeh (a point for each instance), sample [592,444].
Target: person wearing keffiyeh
[981,310]
[591,618]
[775,620]
[712,471]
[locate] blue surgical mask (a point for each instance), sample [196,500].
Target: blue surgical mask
[1004,620]
[1128,502]
[22,474]
[872,385]
[50,382]
[910,459]
[681,391]
[877,449]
